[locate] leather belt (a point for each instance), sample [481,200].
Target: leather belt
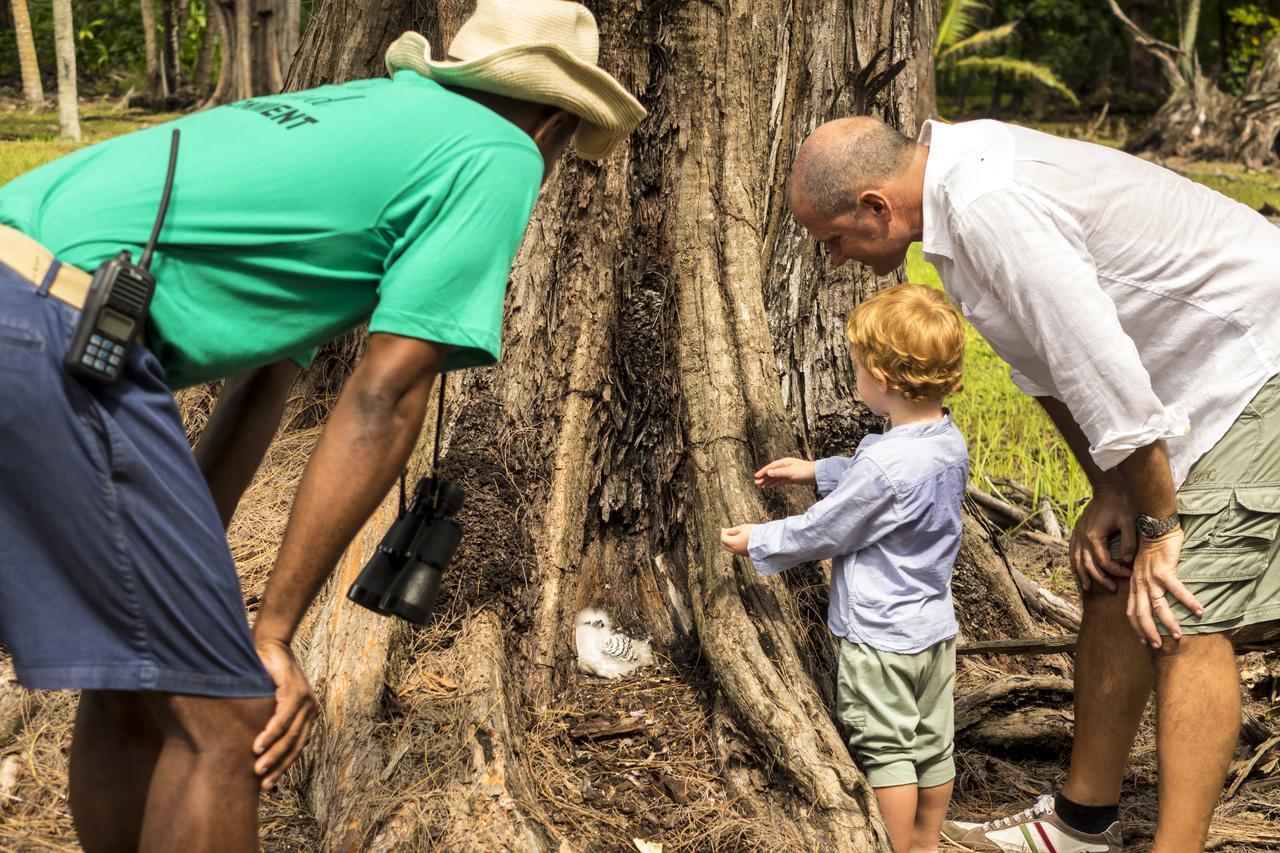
[33,261]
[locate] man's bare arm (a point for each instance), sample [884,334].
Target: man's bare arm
[1076,440]
[363,449]
[1108,513]
[240,429]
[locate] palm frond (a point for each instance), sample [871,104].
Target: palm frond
[1020,69]
[979,40]
[959,19]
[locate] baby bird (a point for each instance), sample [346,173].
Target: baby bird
[604,652]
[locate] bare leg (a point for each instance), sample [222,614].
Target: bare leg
[113,754]
[898,807]
[204,793]
[931,811]
[1113,680]
[1197,722]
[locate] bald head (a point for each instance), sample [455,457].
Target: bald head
[842,158]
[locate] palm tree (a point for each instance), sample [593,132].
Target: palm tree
[32,88]
[959,40]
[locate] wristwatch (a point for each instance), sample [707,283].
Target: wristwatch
[1154,528]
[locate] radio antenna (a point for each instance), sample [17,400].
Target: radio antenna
[145,262]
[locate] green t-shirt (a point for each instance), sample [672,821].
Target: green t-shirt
[297,217]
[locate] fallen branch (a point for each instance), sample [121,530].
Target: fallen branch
[1050,521]
[1005,513]
[995,504]
[1057,610]
[1020,646]
[1020,711]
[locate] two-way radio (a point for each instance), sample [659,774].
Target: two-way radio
[118,303]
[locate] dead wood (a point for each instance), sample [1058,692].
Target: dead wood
[1021,646]
[1017,712]
[1057,610]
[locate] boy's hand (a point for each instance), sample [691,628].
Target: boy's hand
[735,539]
[784,471]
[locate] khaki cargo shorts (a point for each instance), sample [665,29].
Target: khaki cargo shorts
[898,713]
[1230,509]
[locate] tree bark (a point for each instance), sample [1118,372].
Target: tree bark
[32,86]
[1199,120]
[157,79]
[64,43]
[177,14]
[668,329]
[203,74]
[253,47]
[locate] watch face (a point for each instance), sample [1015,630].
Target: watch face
[1146,526]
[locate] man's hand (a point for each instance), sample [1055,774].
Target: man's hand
[1155,576]
[735,539]
[1109,512]
[277,745]
[786,471]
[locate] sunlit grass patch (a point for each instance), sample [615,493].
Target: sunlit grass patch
[28,139]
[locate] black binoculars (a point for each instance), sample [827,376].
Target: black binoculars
[403,577]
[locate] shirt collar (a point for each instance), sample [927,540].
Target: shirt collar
[942,424]
[936,237]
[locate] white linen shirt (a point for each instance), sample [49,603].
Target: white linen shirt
[1147,303]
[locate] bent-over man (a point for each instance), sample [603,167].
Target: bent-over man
[1139,309]
[398,202]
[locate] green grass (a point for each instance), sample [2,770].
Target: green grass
[28,139]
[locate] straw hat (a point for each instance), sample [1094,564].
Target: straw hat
[544,51]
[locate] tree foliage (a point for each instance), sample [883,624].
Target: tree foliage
[961,46]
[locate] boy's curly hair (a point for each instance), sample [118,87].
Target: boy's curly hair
[912,334]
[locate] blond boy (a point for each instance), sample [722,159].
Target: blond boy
[889,520]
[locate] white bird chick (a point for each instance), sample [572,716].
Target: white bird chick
[604,652]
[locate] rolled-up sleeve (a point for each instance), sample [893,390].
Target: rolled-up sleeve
[854,515]
[1033,261]
[827,472]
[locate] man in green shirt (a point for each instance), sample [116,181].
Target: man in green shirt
[398,202]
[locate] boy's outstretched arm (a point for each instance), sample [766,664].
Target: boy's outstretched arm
[784,472]
[856,514]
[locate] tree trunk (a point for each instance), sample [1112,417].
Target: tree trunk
[290,32]
[253,47]
[157,79]
[1199,120]
[64,44]
[203,74]
[32,87]
[177,14]
[668,329]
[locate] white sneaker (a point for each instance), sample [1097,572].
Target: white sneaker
[1035,830]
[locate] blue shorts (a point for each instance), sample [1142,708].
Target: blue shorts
[114,567]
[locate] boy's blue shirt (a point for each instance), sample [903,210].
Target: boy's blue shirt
[890,521]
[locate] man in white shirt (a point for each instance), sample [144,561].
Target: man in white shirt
[1141,311]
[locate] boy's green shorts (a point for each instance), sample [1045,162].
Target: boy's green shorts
[898,713]
[1230,508]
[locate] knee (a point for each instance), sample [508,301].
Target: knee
[215,729]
